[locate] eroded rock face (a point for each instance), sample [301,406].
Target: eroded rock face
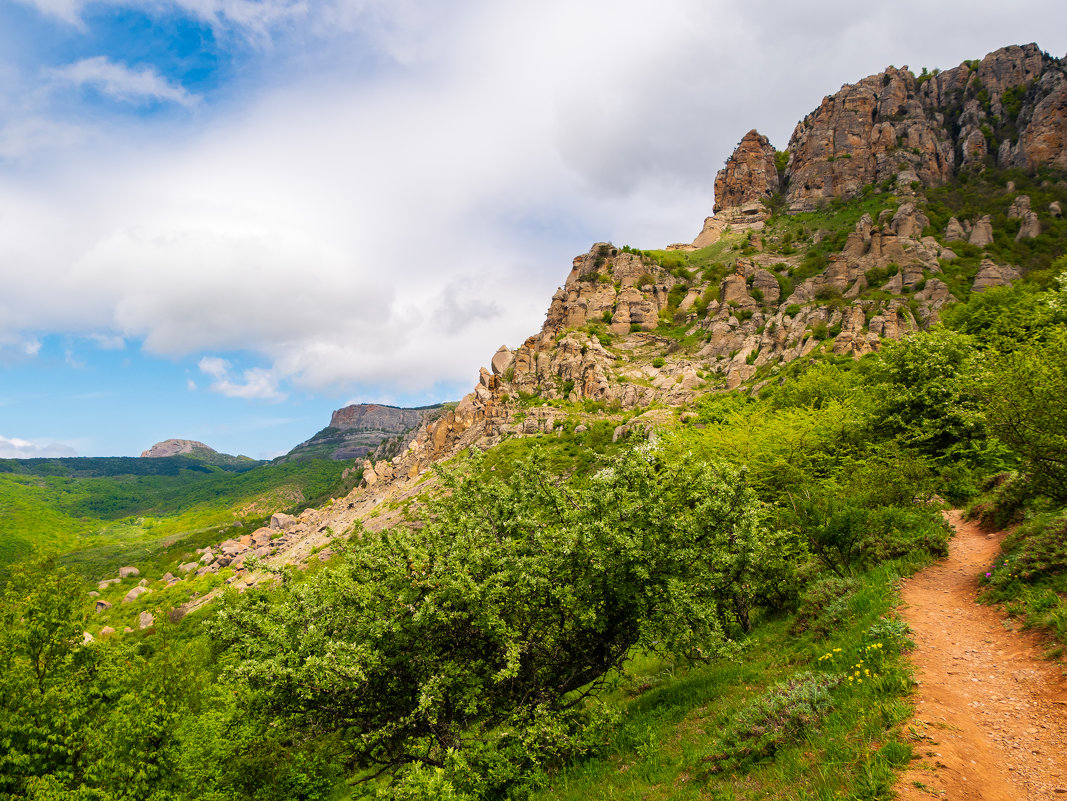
[750,174]
[992,274]
[897,128]
[982,232]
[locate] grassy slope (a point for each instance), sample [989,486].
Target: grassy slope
[671,722]
[100,520]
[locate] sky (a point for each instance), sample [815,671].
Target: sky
[222,219]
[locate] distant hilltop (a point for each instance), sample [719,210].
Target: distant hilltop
[174,447]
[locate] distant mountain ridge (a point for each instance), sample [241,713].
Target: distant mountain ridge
[360,430]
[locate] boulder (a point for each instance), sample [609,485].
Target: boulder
[909,221]
[86,638]
[1054,209]
[207,558]
[982,232]
[106,631]
[767,284]
[168,577]
[502,360]
[102,606]
[145,619]
[261,536]
[188,567]
[125,572]
[279,521]
[134,594]
[1020,207]
[734,289]
[94,594]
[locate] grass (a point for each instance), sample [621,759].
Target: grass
[98,521]
[675,724]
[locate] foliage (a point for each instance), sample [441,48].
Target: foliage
[925,398]
[437,645]
[1023,391]
[63,506]
[774,719]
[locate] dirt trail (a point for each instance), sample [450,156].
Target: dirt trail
[991,713]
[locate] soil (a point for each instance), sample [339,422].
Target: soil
[990,717]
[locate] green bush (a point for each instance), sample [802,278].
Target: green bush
[779,717]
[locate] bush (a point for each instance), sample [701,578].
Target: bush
[792,310]
[824,607]
[776,719]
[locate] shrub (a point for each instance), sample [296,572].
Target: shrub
[658,362]
[776,719]
[824,606]
[645,280]
[792,310]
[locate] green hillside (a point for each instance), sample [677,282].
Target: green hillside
[93,510]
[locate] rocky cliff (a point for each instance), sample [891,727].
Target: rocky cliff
[899,129]
[361,429]
[631,328]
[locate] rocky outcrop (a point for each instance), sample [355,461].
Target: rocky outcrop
[175,447]
[982,233]
[897,129]
[992,274]
[749,176]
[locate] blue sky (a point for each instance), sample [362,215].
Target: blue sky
[222,219]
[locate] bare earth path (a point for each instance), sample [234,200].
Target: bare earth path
[991,713]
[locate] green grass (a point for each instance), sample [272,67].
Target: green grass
[98,521]
[673,720]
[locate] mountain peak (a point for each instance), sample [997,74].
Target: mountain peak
[173,447]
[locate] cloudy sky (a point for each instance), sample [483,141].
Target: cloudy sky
[222,219]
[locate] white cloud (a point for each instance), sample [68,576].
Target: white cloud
[15,448]
[389,227]
[123,83]
[255,382]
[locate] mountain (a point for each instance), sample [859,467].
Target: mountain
[935,167]
[362,429]
[197,452]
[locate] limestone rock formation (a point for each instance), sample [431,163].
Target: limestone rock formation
[982,232]
[992,274]
[749,176]
[897,128]
[358,430]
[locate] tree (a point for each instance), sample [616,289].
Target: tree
[471,642]
[1024,391]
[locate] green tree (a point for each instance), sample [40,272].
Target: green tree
[470,643]
[1024,391]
